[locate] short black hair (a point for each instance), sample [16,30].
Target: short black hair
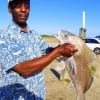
[14,3]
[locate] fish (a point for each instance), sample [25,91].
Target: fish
[79,65]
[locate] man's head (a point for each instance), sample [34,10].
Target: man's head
[20,10]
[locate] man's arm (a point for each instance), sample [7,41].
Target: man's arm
[29,67]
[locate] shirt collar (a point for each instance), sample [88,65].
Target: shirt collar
[14,27]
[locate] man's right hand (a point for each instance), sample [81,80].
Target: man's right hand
[67,49]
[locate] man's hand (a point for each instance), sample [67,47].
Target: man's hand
[67,49]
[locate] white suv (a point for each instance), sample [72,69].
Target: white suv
[93,44]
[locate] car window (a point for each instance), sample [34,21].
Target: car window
[91,41]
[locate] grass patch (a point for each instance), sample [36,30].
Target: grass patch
[68,80]
[47,36]
[93,69]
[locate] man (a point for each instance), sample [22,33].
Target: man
[23,57]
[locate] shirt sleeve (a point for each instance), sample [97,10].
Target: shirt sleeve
[44,47]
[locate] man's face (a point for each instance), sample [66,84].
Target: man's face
[20,11]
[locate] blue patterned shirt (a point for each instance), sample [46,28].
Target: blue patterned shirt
[17,46]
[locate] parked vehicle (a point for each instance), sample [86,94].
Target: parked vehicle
[98,37]
[93,44]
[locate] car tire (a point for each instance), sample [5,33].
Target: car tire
[97,51]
